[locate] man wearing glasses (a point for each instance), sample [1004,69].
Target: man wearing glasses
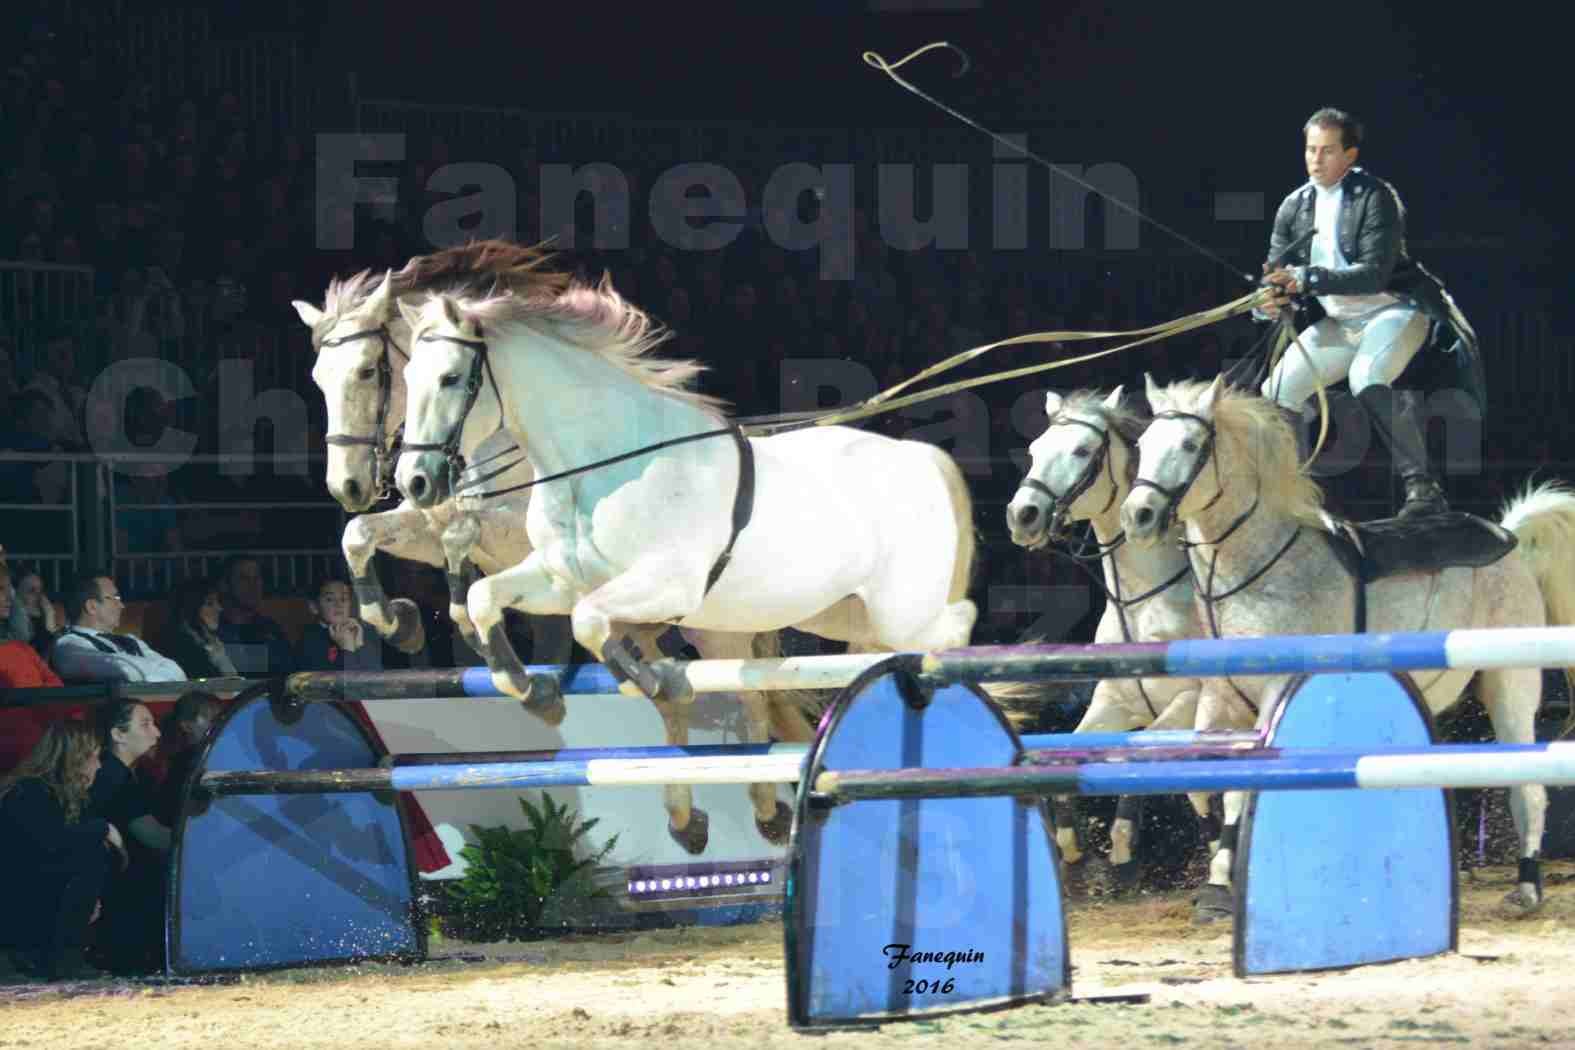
[90,651]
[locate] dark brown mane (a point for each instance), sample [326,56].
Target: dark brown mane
[483,268]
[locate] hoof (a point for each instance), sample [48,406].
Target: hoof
[777,829]
[410,635]
[1079,877]
[1521,902]
[1122,880]
[540,694]
[695,835]
[1213,904]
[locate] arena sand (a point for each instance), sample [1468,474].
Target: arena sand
[1512,984]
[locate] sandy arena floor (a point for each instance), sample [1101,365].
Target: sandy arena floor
[1512,984]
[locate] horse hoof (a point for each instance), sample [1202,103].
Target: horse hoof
[695,834]
[544,699]
[777,829]
[410,635]
[1213,904]
[1521,902]
[1122,881]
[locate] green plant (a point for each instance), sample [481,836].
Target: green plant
[522,881]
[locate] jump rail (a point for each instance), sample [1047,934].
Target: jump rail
[1286,654]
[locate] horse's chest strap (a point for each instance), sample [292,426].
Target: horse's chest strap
[743,504]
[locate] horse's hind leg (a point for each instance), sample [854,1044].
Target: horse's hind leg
[773,818]
[1512,697]
[402,532]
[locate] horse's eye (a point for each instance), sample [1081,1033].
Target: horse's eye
[1080,452]
[1189,446]
[451,379]
[366,374]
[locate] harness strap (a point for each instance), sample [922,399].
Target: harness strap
[743,504]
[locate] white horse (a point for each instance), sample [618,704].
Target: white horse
[1082,468]
[362,342]
[653,508]
[1225,463]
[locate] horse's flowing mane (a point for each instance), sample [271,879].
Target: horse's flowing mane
[596,319]
[478,268]
[1258,436]
[1128,422]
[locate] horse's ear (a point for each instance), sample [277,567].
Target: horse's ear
[1211,397]
[310,314]
[378,301]
[451,312]
[1113,402]
[1052,403]
[1150,388]
[411,314]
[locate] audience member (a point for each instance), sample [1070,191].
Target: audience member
[181,736]
[21,667]
[58,858]
[338,641]
[256,642]
[89,651]
[43,618]
[130,936]
[191,637]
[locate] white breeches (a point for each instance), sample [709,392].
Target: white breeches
[1365,351]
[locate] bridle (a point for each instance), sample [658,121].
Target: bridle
[1205,588]
[383,452]
[1205,456]
[1061,503]
[1094,551]
[449,446]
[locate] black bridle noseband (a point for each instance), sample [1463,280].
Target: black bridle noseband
[383,453]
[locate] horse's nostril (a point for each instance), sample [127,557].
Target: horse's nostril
[1144,516]
[353,490]
[1027,514]
[418,486]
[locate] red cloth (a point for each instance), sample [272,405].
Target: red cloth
[21,728]
[431,855]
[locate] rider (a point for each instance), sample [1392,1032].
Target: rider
[1373,306]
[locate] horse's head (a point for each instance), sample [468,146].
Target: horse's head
[1172,453]
[447,369]
[1079,469]
[359,370]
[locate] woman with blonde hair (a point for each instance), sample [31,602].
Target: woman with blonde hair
[57,862]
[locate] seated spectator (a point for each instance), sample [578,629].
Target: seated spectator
[338,641]
[89,651]
[256,642]
[21,728]
[181,736]
[43,619]
[133,922]
[58,858]
[192,637]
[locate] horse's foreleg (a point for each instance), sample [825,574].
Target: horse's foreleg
[402,532]
[1108,712]
[652,591]
[529,587]
[1512,698]
[1219,707]
[459,539]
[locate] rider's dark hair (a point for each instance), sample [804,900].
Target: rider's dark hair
[1329,117]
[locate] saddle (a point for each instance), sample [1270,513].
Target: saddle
[1427,543]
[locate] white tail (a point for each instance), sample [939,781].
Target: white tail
[1543,520]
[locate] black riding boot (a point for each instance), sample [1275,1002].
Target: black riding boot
[1398,420]
[1298,425]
